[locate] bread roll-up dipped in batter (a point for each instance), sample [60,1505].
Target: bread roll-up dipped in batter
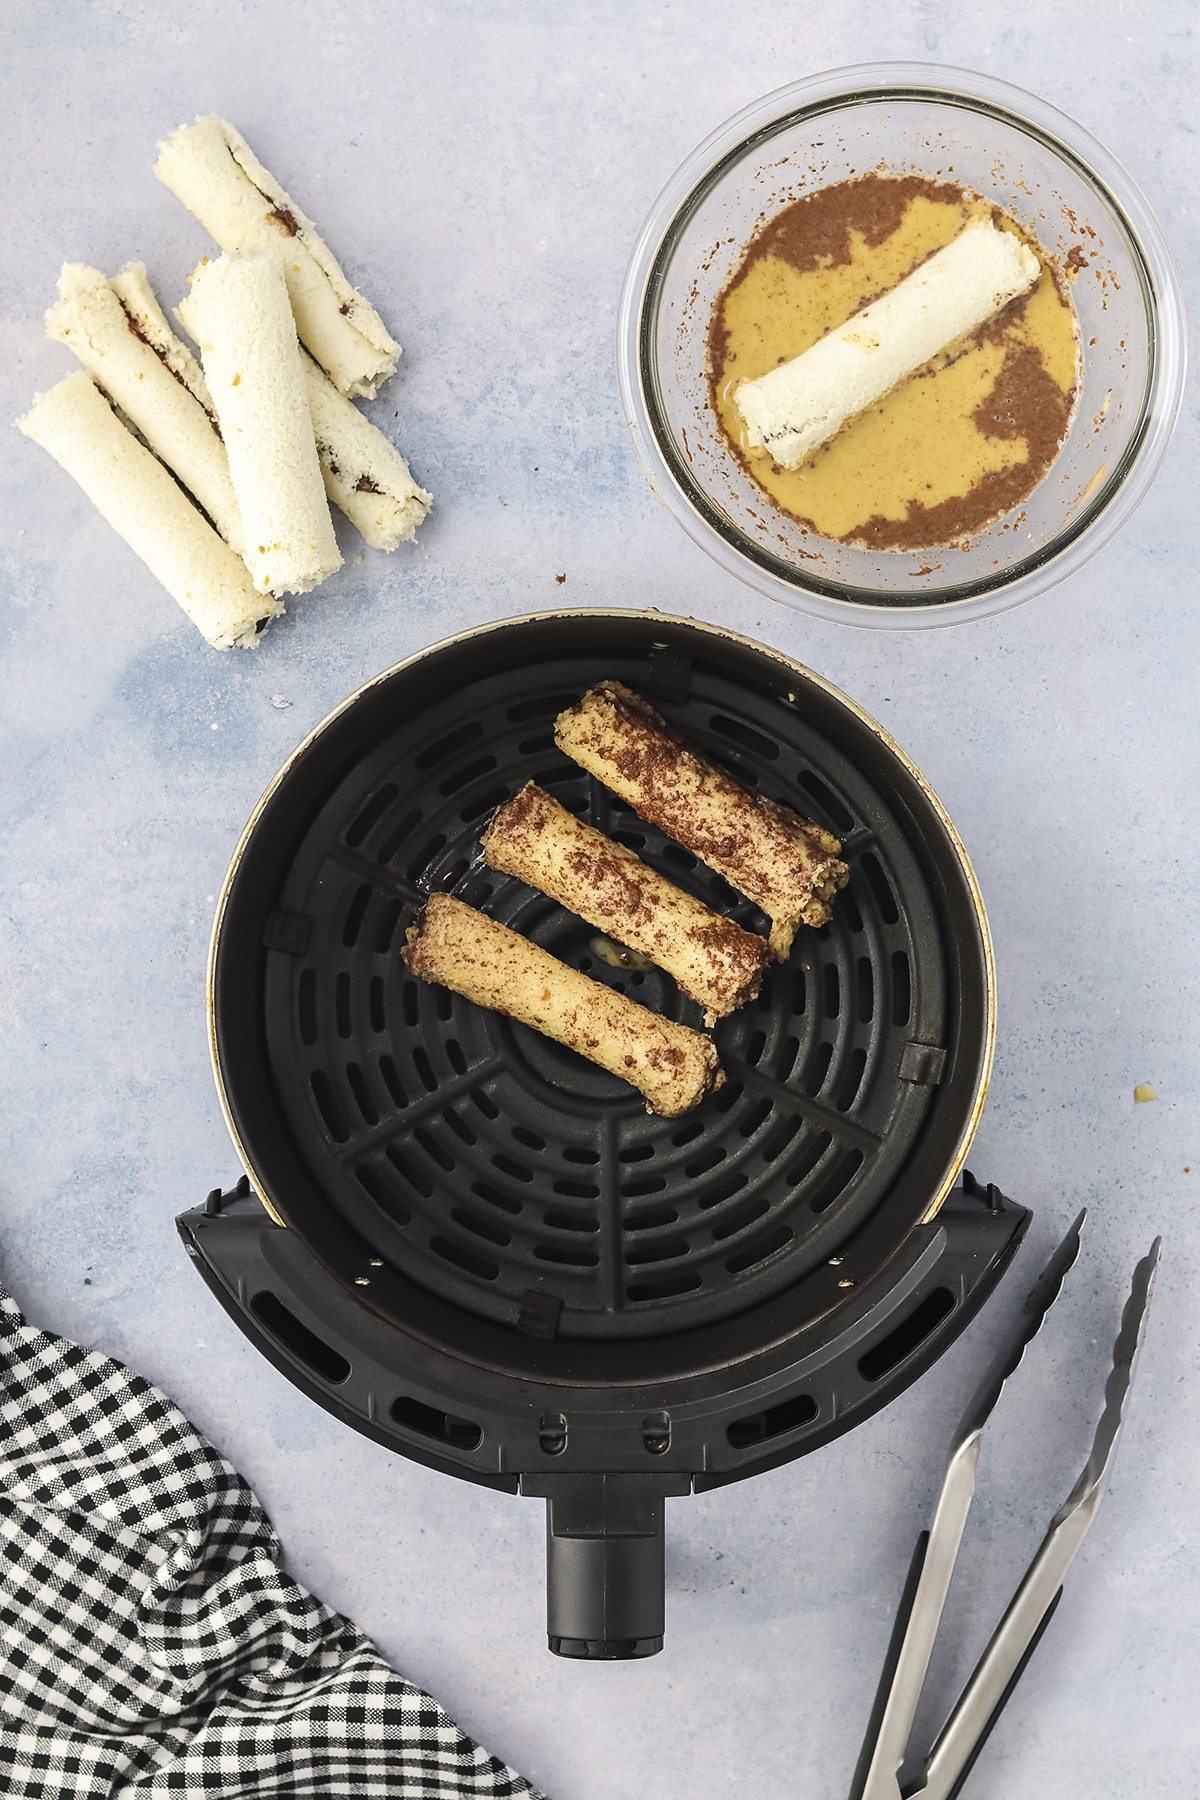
[711,958]
[137,496]
[93,321]
[212,169]
[456,947]
[794,409]
[364,473]
[239,315]
[787,865]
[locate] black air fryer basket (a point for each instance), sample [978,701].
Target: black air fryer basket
[477,1247]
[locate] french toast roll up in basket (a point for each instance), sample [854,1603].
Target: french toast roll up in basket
[454,946]
[711,959]
[787,865]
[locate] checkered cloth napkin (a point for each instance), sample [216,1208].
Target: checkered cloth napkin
[150,1642]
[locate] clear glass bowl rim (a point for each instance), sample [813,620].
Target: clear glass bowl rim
[861,83]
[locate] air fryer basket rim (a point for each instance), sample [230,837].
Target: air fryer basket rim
[643,630]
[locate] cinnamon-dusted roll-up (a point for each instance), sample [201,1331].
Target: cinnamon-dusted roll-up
[456,947]
[785,864]
[711,958]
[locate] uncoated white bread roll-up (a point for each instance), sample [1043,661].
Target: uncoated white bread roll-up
[137,496]
[364,472]
[132,288]
[799,406]
[93,321]
[239,315]
[212,169]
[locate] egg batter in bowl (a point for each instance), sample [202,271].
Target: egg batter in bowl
[965,439]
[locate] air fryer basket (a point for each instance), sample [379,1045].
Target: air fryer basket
[567,1290]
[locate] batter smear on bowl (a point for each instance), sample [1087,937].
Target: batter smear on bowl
[951,448]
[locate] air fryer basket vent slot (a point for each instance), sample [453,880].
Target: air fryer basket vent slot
[414,1415]
[789,1415]
[295,1335]
[891,1351]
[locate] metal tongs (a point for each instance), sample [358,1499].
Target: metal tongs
[1032,1606]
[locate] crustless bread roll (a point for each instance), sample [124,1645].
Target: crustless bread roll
[137,496]
[238,313]
[364,473]
[212,169]
[785,864]
[132,287]
[131,365]
[795,408]
[456,947]
[711,958]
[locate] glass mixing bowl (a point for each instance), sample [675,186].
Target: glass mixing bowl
[1012,148]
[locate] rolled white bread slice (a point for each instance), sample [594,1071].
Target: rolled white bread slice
[132,287]
[212,169]
[238,313]
[364,473]
[93,321]
[799,406]
[149,509]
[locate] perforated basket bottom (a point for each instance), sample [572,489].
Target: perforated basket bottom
[484,1161]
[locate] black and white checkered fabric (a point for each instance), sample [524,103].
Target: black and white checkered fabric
[150,1642]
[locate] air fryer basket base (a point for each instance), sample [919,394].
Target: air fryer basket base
[556,1441]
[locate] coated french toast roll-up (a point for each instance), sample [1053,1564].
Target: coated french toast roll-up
[712,960]
[238,313]
[149,509]
[457,947]
[787,865]
[120,346]
[212,169]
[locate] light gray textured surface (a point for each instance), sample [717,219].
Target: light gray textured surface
[482,169]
